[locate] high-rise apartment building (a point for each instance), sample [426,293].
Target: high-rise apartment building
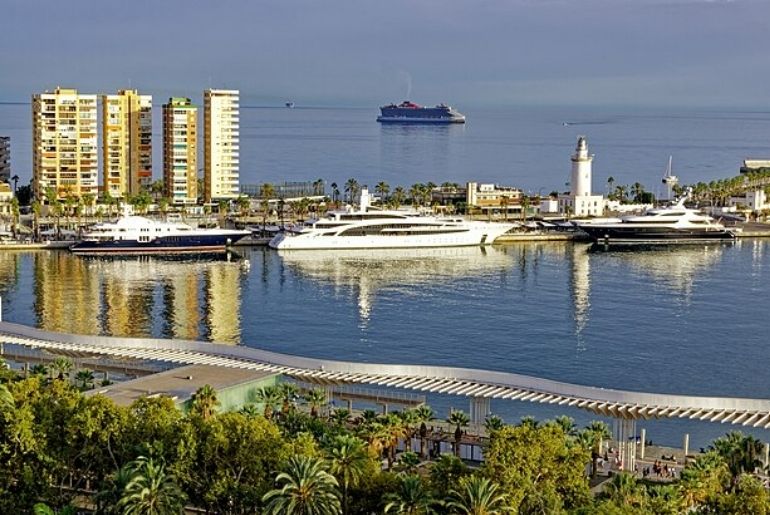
[180,150]
[64,143]
[5,159]
[126,143]
[220,146]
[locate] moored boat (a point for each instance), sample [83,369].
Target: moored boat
[382,229]
[140,235]
[675,224]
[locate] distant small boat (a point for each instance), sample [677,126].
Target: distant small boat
[290,105]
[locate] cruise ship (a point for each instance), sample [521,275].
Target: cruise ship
[375,229]
[140,235]
[665,225]
[409,112]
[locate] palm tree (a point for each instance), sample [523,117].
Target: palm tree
[623,489]
[36,209]
[204,402]
[610,182]
[382,189]
[86,379]
[409,418]
[459,419]
[351,188]
[270,397]
[740,452]
[61,367]
[15,180]
[335,192]
[249,411]
[267,192]
[504,202]
[394,429]
[289,394]
[664,499]
[529,421]
[566,424]
[408,462]
[39,370]
[424,414]
[493,423]
[399,195]
[151,491]
[477,495]
[318,187]
[411,498]
[315,398]
[304,488]
[347,458]
[592,437]
[340,416]
[108,498]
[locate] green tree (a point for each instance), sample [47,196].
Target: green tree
[232,462]
[85,378]
[411,498]
[289,395]
[663,499]
[493,423]
[304,488]
[624,490]
[382,189]
[151,490]
[348,461]
[423,415]
[351,189]
[315,398]
[445,473]
[459,419]
[270,398]
[525,459]
[741,452]
[6,399]
[61,367]
[476,495]
[204,402]
[408,462]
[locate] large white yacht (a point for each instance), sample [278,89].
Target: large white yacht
[368,228]
[665,225]
[139,235]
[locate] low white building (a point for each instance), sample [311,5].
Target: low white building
[754,201]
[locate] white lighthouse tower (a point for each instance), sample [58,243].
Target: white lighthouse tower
[579,201]
[580,184]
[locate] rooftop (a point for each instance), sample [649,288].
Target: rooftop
[179,383]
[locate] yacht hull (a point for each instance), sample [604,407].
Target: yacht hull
[476,236]
[203,244]
[655,235]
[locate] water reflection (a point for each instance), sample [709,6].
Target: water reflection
[580,287]
[673,267]
[142,296]
[368,271]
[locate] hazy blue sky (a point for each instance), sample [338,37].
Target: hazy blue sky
[365,52]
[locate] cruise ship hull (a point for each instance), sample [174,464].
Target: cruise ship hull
[199,244]
[313,241]
[615,235]
[418,120]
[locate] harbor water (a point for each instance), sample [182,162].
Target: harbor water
[688,320]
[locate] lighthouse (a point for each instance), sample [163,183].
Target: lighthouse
[579,201]
[580,184]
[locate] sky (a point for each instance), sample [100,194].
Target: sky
[369,52]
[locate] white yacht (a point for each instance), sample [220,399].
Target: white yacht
[375,229]
[140,235]
[664,225]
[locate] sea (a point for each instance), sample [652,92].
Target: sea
[689,320]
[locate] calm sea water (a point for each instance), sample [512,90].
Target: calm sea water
[689,320]
[524,147]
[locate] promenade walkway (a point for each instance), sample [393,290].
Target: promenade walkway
[481,385]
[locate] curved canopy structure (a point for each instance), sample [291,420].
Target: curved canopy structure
[479,384]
